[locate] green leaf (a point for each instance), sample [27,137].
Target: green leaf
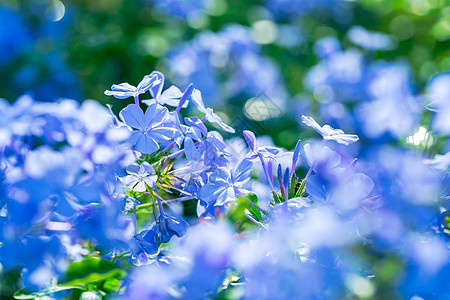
[237,213]
[91,270]
[255,212]
[111,285]
[22,294]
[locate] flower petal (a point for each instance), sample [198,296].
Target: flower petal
[146,144]
[133,116]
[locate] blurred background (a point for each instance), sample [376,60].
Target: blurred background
[360,65]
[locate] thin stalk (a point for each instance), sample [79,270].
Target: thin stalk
[169,146]
[136,100]
[176,154]
[254,221]
[266,172]
[161,209]
[134,220]
[251,202]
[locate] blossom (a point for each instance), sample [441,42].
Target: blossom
[145,246]
[140,176]
[329,133]
[209,113]
[170,96]
[126,90]
[224,185]
[263,151]
[148,127]
[170,226]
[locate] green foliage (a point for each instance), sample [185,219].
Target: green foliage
[91,274]
[241,210]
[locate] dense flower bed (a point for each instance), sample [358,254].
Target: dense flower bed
[153,205]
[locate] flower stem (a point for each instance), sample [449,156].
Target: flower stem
[169,146]
[266,172]
[134,220]
[161,209]
[251,202]
[176,154]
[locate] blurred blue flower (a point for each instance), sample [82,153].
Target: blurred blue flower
[371,40]
[15,38]
[182,8]
[232,53]
[438,93]
[393,108]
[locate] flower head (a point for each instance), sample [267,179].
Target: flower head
[140,176]
[148,128]
[196,97]
[170,96]
[329,133]
[126,90]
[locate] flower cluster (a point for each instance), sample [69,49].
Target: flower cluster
[153,205]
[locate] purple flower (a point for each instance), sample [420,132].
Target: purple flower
[148,128]
[140,176]
[329,133]
[126,90]
[196,97]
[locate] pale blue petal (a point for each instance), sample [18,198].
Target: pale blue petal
[309,121]
[133,116]
[150,114]
[146,144]
[196,97]
[156,89]
[146,168]
[147,82]
[133,169]
[190,150]
[242,172]
[140,187]
[171,96]
[250,139]
[123,87]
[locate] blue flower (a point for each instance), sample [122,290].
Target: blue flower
[171,96]
[145,246]
[329,133]
[439,95]
[196,97]
[126,90]
[224,185]
[209,144]
[140,176]
[266,152]
[148,127]
[170,226]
